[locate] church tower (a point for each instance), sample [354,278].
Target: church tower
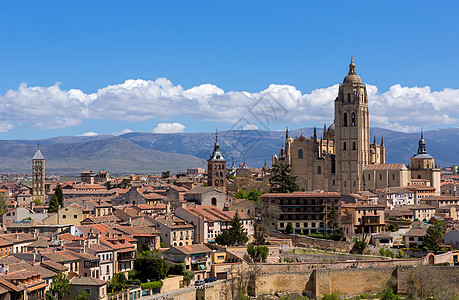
[38,176]
[351,133]
[216,167]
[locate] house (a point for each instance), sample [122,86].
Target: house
[206,195]
[23,284]
[143,235]
[414,237]
[421,191]
[395,196]
[209,221]
[20,241]
[362,217]
[174,231]
[124,251]
[100,220]
[96,288]
[22,213]
[67,258]
[422,212]
[306,211]
[106,256]
[440,201]
[197,258]
[241,205]
[71,214]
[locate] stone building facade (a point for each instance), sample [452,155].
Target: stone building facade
[38,176]
[336,161]
[343,159]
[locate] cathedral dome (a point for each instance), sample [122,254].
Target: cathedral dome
[352,76]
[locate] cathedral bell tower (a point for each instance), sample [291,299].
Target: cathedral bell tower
[216,167]
[38,176]
[351,133]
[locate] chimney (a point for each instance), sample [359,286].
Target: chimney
[130,221]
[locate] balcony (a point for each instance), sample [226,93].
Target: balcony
[370,220]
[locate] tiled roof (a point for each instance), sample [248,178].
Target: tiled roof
[320,194]
[193,249]
[138,230]
[212,213]
[362,205]
[416,232]
[51,264]
[61,256]
[385,167]
[87,281]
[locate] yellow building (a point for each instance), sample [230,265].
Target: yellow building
[70,214]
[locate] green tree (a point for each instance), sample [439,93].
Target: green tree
[359,246]
[37,202]
[254,195]
[108,185]
[149,265]
[188,275]
[434,235]
[177,269]
[289,228]
[258,253]
[59,194]
[60,285]
[165,174]
[53,204]
[3,206]
[333,223]
[224,238]
[237,231]
[118,282]
[240,195]
[83,295]
[389,295]
[281,181]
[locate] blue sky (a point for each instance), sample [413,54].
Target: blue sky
[215,60]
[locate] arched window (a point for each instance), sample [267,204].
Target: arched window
[354,182]
[319,170]
[393,176]
[219,167]
[419,176]
[214,201]
[345,119]
[300,153]
[348,97]
[344,146]
[344,182]
[216,182]
[353,146]
[369,177]
[333,181]
[380,176]
[353,119]
[221,182]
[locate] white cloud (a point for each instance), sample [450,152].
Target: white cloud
[400,108]
[250,127]
[169,128]
[122,132]
[5,126]
[90,133]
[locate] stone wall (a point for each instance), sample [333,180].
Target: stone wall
[318,243]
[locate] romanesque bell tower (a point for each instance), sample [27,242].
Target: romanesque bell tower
[38,176]
[351,133]
[216,167]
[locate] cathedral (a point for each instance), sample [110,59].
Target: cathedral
[343,159]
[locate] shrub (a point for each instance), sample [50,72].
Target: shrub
[151,285]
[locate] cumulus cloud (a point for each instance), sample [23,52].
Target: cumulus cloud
[169,128]
[90,133]
[250,127]
[400,108]
[5,126]
[122,132]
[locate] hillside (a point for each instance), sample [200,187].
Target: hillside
[139,152]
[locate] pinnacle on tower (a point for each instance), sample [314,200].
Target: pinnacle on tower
[315,133]
[422,145]
[286,133]
[374,140]
[382,141]
[352,67]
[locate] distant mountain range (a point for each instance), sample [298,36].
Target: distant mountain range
[139,152]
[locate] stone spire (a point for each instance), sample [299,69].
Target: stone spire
[422,145]
[374,140]
[286,133]
[315,134]
[382,141]
[216,154]
[352,67]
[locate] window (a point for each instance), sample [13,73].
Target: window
[344,182]
[333,181]
[353,146]
[348,97]
[64,216]
[297,225]
[300,153]
[368,176]
[319,170]
[214,202]
[281,225]
[344,146]
[393,176]
[353,119]
[419,176]
[380,176]
[75,216]
[345,119]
